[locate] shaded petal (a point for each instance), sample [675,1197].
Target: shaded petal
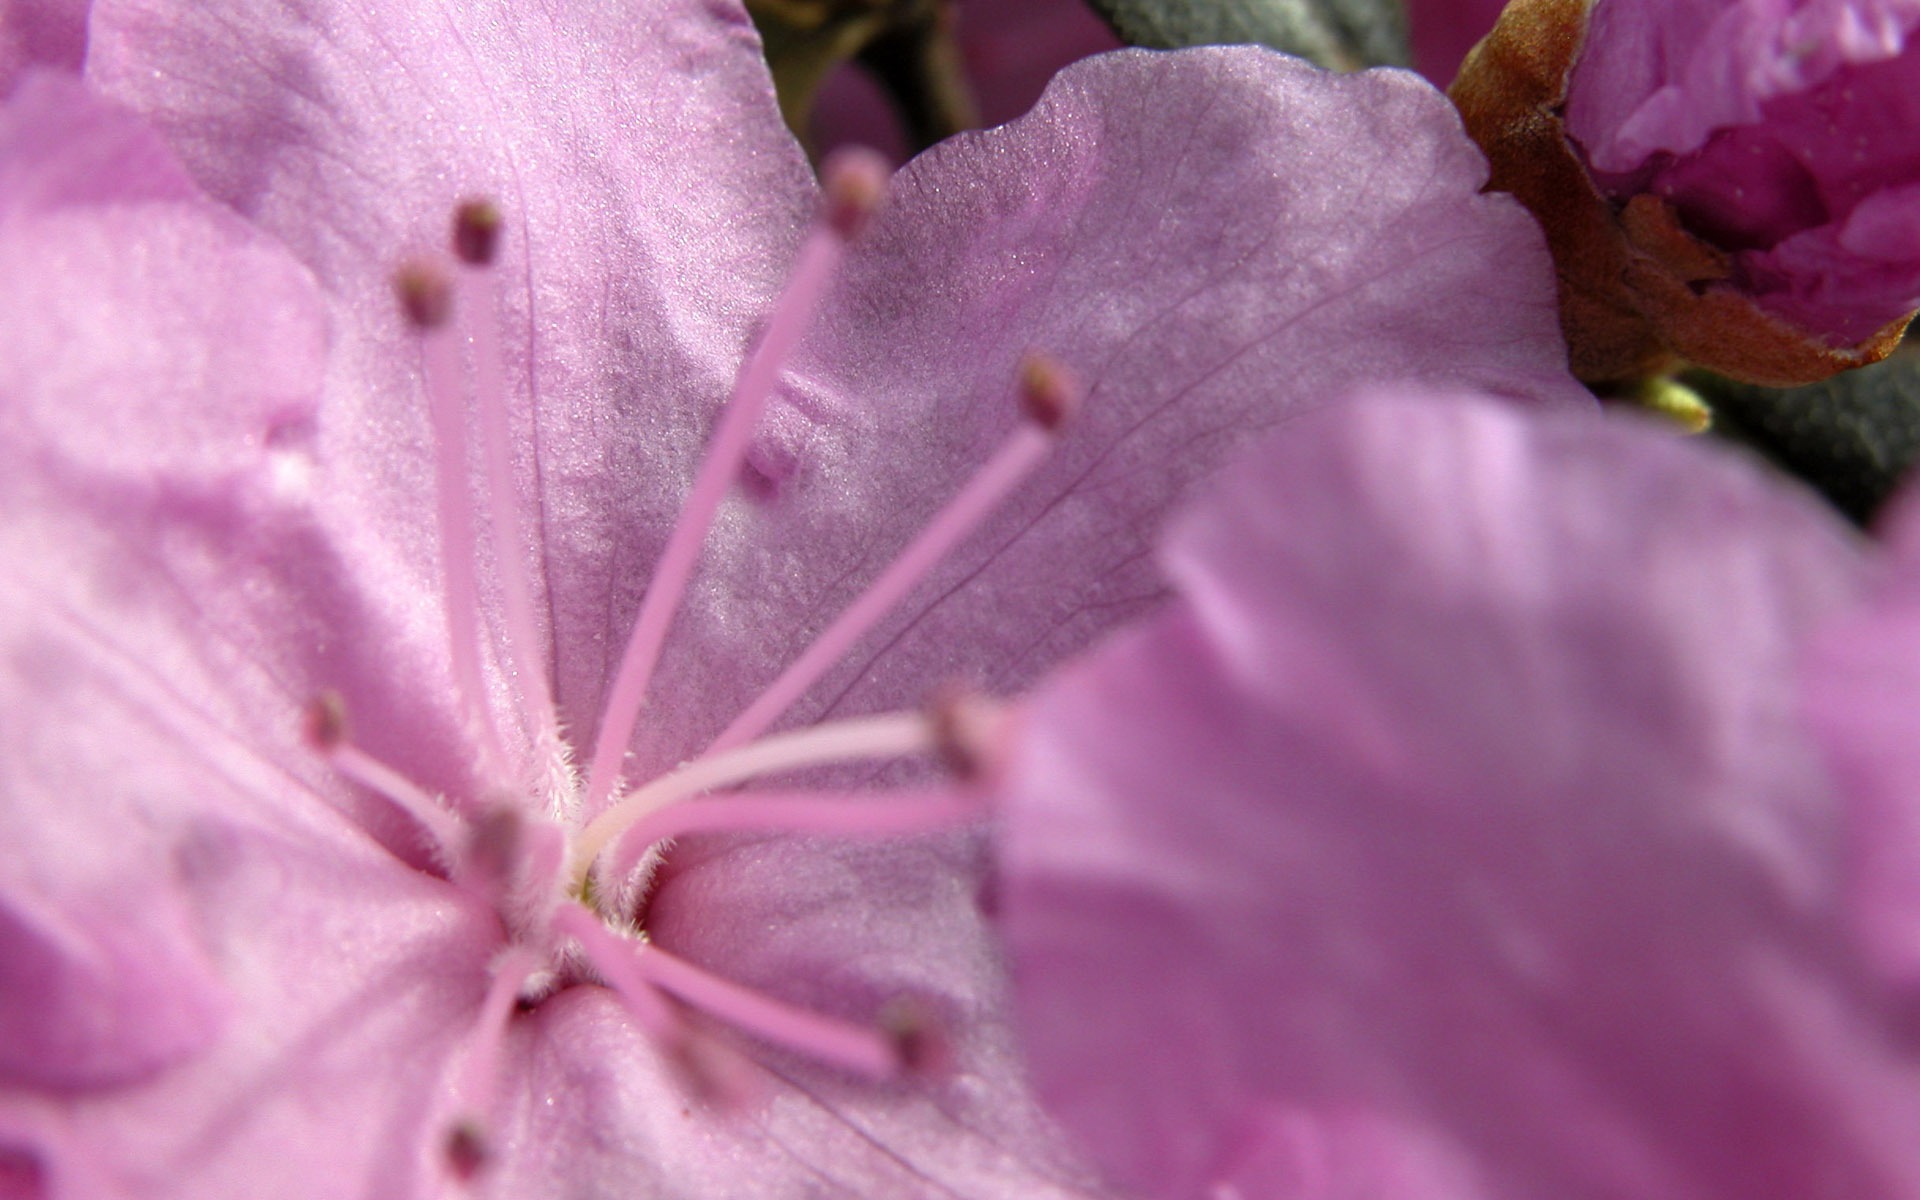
[1862,686]
[41,33]
[1214,240]
[1464,787]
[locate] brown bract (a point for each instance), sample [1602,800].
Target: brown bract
[1639,294]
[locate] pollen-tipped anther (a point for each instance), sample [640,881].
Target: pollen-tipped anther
[855,182]
[921,1042]
[476,231]
[494,845]
[425,294]
[325,726]
[968,732]
[1049,394]
[467,1152]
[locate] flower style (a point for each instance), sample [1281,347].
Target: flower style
[1735,181]
[260,940]
[1518,871]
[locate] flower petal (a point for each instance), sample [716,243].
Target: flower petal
[652,200]
[1464,787]
[1214,241]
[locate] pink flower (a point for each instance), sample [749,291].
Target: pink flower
[258,940]
[1785,134]
[1457,834]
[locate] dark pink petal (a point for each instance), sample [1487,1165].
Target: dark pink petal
[1012,48]
[1663,75]
[1463,790]
[1444,30]
[41,33]
[1787,136]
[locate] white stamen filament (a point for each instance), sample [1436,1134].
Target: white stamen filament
[891,735]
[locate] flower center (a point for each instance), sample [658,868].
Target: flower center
[566,864]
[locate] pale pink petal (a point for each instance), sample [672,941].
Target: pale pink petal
[634,271]
[1214,241]
[1465,787]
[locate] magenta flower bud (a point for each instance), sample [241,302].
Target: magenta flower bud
[1724,182]
[1786,135]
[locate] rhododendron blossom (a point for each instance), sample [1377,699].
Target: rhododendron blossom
[365,648]
[1459,832]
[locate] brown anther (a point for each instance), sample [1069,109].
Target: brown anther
[476,232]
[920,1039]
[855,182]
[494,844]
[966,732]
[467,1151]
[326,721]
[425,294]
[1049,394]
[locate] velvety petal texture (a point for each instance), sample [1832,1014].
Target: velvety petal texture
[1787,135]
[1459,807]
[1247,245]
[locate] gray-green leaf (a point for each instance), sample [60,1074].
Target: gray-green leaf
[1343,34]
[1855,437]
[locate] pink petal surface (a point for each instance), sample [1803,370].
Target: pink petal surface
[1862,681]
[633,270]
[1030,233]
[1244,248]
[1463,794]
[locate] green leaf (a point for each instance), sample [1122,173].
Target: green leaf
[1342,34]
[1854,437]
